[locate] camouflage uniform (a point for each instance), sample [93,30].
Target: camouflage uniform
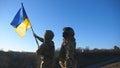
[67,52]
[46,50]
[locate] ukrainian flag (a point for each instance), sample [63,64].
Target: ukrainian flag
[21,22]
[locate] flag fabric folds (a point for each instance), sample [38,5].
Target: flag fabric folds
[21,22]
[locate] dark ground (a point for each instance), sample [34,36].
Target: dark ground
[84,58]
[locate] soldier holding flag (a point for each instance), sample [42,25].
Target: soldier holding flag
[21,24]
[46,50]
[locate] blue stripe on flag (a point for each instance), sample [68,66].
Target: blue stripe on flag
[17,19]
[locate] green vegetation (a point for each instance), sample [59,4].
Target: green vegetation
[84,57]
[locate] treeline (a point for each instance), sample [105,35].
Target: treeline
[84,57]
[115,49]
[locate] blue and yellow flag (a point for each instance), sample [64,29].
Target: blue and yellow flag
[21,22]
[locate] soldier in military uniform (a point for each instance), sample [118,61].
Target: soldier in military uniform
[46,50]
[67,51]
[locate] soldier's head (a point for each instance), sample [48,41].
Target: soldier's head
[68,32]
[48,35]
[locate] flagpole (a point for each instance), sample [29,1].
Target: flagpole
[32,30]
[34,36]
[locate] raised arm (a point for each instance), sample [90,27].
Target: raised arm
[39,38]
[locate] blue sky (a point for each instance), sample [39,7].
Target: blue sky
[96,22]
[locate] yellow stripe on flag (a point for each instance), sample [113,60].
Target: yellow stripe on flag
[23,27]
